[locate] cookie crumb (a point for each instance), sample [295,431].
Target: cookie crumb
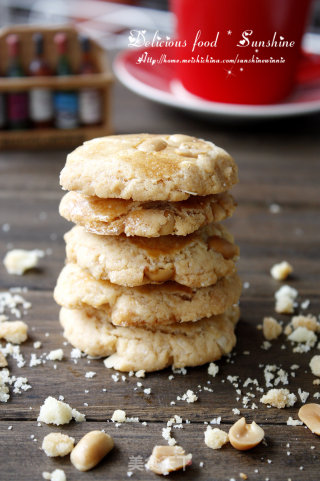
[213,369]
[271,328]
[215,438]
[281,271]
[285,298]
[279,398]
[57,444]
[17,261]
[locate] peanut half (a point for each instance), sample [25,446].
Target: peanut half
[245,436]
[310,416]
[224,247]
[90,450]
[165,459]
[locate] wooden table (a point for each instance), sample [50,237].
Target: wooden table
[279,163]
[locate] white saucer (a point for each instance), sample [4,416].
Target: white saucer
[157,83]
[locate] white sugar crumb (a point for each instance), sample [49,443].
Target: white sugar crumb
[266,345]
[315,365]
[279,398]
[75,353]
[90,374]
[236,411]
[37,344]
[129,474]
[55,355]
[58,412]
[78,417]
[188,396]
[147,390]
[215,438]
[274,208]
[303,395]
[213,369]
[285,298]
[303,335]
[57,444]
[305,304]
[14,331]
[216,420]
[293,422]
[56,475]
[18,385]
[281,271]
[119,416]
[141,373]
[19,261]
[271,328]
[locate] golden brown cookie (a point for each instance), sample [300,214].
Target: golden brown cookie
[145,167]
[196,260]
[135,348]
[146,219]
[146,305]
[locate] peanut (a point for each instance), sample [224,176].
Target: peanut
[245,436]
[224,247]
[310,416]
[90,450]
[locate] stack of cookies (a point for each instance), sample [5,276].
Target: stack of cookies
[150,279]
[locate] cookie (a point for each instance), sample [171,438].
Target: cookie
[145,167]
[146,305]
[196,260]
[146,219]
[135,348]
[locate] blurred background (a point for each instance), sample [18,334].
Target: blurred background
[107,22]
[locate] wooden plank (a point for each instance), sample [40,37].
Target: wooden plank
[134,442]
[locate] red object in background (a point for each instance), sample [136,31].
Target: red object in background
[40,101]
[17,102]
[242,83]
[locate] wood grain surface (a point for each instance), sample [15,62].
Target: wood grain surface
[278,163]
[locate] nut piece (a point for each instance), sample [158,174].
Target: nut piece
[14,331]
[177,139]
[224,247]
[281,271]
[310,416]
[152,145]
[18,261]
[315,365]
[118,416]
[90,450]
[215,438]
[3,361]
[271,328]
[245,436]
[57,444]
[160,275]
[165,459]
[309,322]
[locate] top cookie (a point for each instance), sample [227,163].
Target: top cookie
[146,167]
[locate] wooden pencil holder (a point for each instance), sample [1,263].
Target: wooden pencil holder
[52,137]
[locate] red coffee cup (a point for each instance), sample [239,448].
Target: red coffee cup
[239,51]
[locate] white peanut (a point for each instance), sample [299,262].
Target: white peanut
[90,450]
[245,436]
